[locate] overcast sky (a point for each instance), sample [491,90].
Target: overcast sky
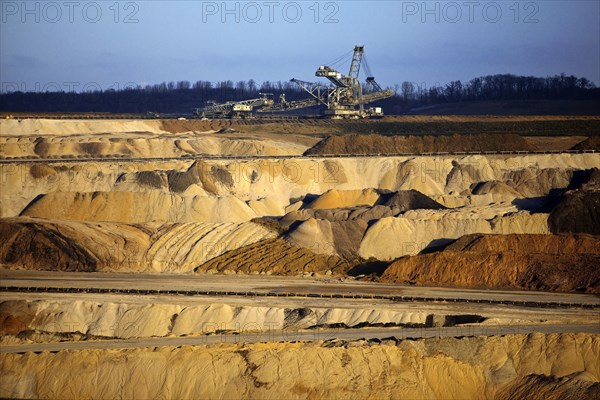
[110,44]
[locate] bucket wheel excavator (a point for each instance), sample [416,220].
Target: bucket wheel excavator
[234,109]
[345,97]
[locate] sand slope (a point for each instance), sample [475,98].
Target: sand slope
[139,207]
[447,179]
[54,127]
[42,320]
[85,246]
[39,138]
[412,232]
[144,145]
[274,256]
[467,368]
[344,198]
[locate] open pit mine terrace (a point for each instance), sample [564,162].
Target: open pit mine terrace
[419,257]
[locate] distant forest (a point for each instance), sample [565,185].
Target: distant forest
[183,96]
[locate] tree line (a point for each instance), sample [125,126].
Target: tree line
[184,96]
[502,87]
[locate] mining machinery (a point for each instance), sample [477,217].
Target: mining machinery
[345,97]
[234,109]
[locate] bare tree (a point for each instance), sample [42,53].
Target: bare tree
[252,86]
[407,90]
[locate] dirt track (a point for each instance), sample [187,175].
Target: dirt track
[275,286]
[305,336]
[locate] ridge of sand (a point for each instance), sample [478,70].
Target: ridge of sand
[145,145]
[335,198]
[159,207]
[466,368]
[274,256]
[42,127]
[394,237]
[131,320]
[87,246]
[286,180]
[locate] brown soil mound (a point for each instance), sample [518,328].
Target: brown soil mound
[344,228]
[336,214]
[379,144]
[543,262]
[197,125]
[344,198]
[494,187]
[277,257]
[387,205]
[591,143]
[9,323]
[404,200]
[37,244]
[531,182]
[544,387]
[44,247]
[579,211]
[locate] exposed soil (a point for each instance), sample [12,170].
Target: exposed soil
[591,143]
[532,366]
[579,210]
[378,144]
[563,263]
[277,257]
[179,126]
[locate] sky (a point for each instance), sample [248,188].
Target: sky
[81,45]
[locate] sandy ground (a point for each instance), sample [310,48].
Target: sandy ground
[47,138]
[466,368]
[297,335]
[112,196]
[272,284]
